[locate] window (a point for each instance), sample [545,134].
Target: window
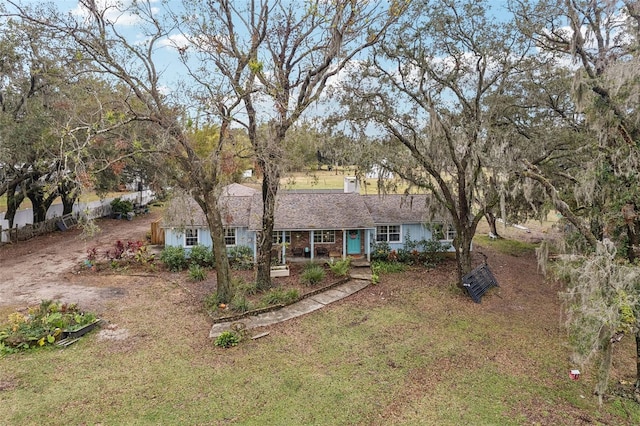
[388,233]
[276,237]
[230,236]
[191,237]
[451,233]
[327,236]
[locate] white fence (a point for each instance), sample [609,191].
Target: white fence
[92,210]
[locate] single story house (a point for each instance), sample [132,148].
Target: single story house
[311,223]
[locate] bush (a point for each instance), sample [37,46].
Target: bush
[240,258]
[211,302]
[380,250]
[227,339]
[434,251]
[174,258]
[197,273]
[312,274]
[379,267]
[119,205]
[277,296]
[239,303]
[340,267]
[202,256]
[404,256]
[241,287]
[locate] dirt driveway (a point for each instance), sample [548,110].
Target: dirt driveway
[43,267]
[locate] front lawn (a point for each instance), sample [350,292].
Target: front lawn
[411,350]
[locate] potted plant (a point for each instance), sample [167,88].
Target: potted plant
[120,208]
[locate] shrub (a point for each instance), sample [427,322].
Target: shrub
[380,250]
[127,251]
[202,256]
[312,274]
[174,258]
[277,296]
[241,287]
[197,273]
[240,258]
[340,267]
[227,339]
[404,256]
[379,267]
[119,205]
[434,251]
[211,302]
[239,303]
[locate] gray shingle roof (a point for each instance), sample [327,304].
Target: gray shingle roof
[315,211]
[395,208]
[237,190]
[307,210]
[234,210]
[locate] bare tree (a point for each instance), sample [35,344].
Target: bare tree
[278,57]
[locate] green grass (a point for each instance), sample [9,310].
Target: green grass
[412,352]
[504,245]
[418,356]
[323,179]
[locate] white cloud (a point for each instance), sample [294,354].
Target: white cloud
[117,12]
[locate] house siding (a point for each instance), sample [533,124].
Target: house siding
[175,237]
[415,231]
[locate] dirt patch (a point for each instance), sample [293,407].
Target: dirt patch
[8,384]
[46,267]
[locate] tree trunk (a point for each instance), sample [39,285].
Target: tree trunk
[606,349]
[462,244]
[224,292]
[14,199]
[68,194]
[270,183]
[491,220]
[39,203]
[638,360]
[37,206]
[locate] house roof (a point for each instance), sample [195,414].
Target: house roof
[237,190]
[306,210]
[314,211]
[185,212]
[396,208]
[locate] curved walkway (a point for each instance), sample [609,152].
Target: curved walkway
[302,307]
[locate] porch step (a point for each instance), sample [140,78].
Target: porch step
[360,263]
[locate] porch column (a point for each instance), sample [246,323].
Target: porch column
[367,246]
[255,247]
[344,244]
[311,243]
[284,248]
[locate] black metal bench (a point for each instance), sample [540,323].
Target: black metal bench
[322,251]
[478,281]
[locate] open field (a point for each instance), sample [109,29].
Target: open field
[412,350]
[325,179]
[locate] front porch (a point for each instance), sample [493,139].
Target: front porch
[306,245]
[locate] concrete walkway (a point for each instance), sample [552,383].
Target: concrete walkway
[304,306]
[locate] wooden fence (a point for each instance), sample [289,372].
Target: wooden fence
[157,233]
[32,230]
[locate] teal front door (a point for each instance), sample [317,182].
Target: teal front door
[353,241]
